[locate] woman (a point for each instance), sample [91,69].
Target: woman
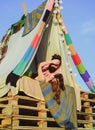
[49,71]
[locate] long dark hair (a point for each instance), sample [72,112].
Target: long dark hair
[58,87]
[61,81]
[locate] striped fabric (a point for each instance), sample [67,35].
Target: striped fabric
[30,52]
[65,113]
[79,65]
[34,44]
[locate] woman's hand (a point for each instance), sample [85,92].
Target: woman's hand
[43,70]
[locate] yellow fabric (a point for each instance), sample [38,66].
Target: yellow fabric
[50,45]
[78,98]
[30,87]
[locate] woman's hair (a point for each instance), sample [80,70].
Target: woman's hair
[61,81]
[56,56]
[58,87]
[51,68]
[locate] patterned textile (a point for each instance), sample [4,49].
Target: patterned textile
[31,50]
[18,25]
[3,51]
[33,18]
[65,113]
[18,70]
[4,42]
[4,45]
[79,65]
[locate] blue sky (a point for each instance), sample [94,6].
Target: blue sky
[79,18]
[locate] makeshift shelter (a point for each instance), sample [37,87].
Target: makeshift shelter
[33,39]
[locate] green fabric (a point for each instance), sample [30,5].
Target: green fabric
[68,39]
[64,113]
[93,89]
[4,45]
[81,68]
[18,25]
[28,73]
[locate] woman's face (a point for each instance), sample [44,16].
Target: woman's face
[54,66]
[56,62]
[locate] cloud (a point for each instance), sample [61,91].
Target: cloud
[88,27]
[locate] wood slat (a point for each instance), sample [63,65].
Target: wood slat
[31,108]
[16,117]
[88,113]
[85,121]
[88,100]
[37,128]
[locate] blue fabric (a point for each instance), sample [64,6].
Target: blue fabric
[64,113]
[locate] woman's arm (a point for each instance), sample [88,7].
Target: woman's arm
[45,75]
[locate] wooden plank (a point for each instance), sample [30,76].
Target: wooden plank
[84,129]
[84,95]
[31,108]
[27,98]
[85,121]
[15,117]
[3,116]
[88,100]
[37,128]
[8,128]
[87,106]
[86,113]
[87,92]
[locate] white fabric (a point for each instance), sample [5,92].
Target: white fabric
[17,46]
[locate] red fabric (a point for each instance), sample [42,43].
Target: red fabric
[76,59]
[35,41]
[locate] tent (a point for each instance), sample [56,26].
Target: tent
[35,38]
[30,54]
[46,24]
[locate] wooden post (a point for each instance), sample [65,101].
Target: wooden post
[15,110]
[89,118]
[41,114]
[24,8]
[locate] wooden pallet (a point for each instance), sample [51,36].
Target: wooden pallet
[86,118]
[5,115]
[25,113]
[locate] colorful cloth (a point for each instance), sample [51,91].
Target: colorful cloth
[4,45]
[33,18]
[18,25]
[32,49]
[30,52]
[65,113]
[79,65]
